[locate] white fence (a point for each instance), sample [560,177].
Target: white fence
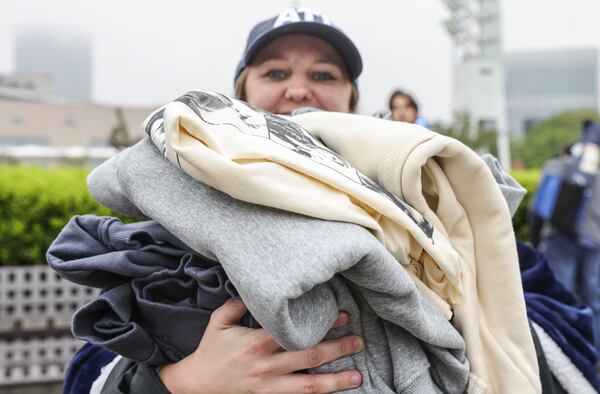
[36,307]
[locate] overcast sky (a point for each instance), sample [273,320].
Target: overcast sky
[147,52]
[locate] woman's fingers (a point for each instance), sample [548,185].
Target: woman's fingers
[313,384]
[317,355]
[342,319]
[229,314]
[233,359]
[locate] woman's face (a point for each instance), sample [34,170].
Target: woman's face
[402,110]
[298,71]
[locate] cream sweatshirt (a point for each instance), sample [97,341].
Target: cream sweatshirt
[428,198]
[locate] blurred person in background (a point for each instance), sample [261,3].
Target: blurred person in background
[404,108]
[565,220]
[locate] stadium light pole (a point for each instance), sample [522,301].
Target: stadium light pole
[476,32]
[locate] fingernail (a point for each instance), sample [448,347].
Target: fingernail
[355,379]
[236,303]
[357,344]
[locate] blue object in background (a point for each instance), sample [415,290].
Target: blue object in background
[422,122]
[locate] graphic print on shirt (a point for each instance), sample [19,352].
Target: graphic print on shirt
[302,142]
[412,213]
[295,138]
[217,109]
[154,129]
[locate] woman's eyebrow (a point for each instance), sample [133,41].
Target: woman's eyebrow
[266,56]
[328,61]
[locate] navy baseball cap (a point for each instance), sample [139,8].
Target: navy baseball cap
[302,21]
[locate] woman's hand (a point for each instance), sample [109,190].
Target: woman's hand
[234,359]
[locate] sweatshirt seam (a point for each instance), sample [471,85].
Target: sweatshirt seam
[414,378]
[390,170]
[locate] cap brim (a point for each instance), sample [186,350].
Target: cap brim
[336,38]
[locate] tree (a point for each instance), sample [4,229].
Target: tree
[481,140]
[546,138]
[119,136]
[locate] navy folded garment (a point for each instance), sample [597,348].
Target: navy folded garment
[566,320]
[84,369]
[157,294]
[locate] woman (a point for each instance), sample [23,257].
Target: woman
[296,59]
[404,108]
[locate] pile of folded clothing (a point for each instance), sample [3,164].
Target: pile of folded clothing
[301,217]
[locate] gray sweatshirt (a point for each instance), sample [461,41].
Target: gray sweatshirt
[295,273]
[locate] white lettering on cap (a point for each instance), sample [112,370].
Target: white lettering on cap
[292,15]
[309,15]
[287,16]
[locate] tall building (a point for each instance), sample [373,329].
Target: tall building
[65,57]
[540,84]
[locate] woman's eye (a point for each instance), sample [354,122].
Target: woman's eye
[276,74]
[323,76]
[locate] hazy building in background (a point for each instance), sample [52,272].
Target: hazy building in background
[63,124]
[34,83]
[475,27]
[46,102]
[540,84]
[64,57]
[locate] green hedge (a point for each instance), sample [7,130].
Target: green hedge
[35,203]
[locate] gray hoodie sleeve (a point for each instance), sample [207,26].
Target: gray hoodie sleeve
[103,184]
[512,191]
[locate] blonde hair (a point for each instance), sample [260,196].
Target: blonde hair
[239,90]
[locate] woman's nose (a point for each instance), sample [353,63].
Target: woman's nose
[298,92]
